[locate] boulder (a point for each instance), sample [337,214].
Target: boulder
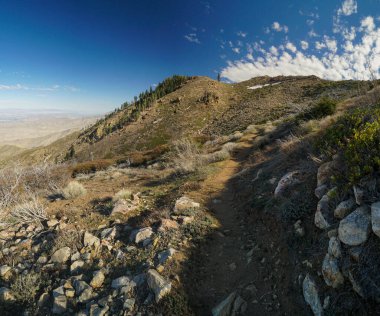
[159,286]
[165,255]
[6,295]
[344,208]
[5,271]
[124,206]
[61,255]
[109,233]
[185,204]
[76,266]
[375,218]
[354,229]
[97,279]
[359,195]
[335,249]
[321,191]
[322,215]
[86,296]
[120,282]
[167,224]
[287,181]
[310,293]
[231,306]
[139,235]
[96,310]
[90,240]
[59,305]
[331,273]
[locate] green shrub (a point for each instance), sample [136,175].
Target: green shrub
[323,108]
[356,135]
[26,287]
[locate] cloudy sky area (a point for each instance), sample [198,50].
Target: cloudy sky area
[90,56]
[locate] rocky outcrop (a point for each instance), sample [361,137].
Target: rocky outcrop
[375,218]
[310,293]
[331,273]
[158,284]
[287,181]
[185,204]
[355,228]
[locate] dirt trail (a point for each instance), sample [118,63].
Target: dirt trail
[248,253]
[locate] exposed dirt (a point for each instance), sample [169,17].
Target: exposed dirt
[248,253]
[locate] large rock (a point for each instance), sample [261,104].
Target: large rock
[124,206]
[344,208]
[120,282]
[97,279]
[335,248]
[355,228]
[61,255]
[287,181]
[139,235]
[310,293]
[231,306]
[165,255]
[322,215]
[167,224]
[359,195]
[109,233]
[185,204]
[6,295]
[331,273]
[90,240]
[375,218]
[321,191]
[159,286]
[59,305]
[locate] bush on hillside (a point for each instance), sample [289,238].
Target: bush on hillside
[123,194]
[28,211]
[357,136]
[321,109]
[73,190]
[91,166]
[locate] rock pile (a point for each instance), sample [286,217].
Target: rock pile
[91,276]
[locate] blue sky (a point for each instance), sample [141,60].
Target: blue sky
[91,56]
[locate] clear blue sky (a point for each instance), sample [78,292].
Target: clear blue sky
[90,56]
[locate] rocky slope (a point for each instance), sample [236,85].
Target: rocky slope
[253,208]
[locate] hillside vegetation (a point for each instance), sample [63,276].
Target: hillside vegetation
[198,198]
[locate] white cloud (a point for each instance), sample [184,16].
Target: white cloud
[331,44]
[12,87]
[236,50]
[241,34]
[312,33]
[348,60]
[192,37]
[291,47]
[348,7]
[320,45]
[304,45]
[19,86]
[279,28]
[368,24]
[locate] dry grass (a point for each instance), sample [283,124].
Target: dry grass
[73,190]
[187,156]
[28,211]
[123,194]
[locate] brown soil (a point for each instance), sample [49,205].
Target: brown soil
[221,265]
